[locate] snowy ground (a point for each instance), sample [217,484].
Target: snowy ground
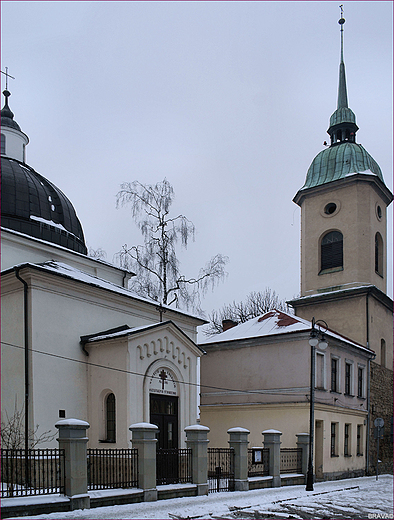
[360,498]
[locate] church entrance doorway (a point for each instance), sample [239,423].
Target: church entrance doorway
[164,414]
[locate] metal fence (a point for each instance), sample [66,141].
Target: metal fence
[31,472]
[258,462]
[291,460]
[173,466]
[112,468]
[220,469]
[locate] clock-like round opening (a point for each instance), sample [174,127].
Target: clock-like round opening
[330,208]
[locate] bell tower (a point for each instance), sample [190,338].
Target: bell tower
[343,235]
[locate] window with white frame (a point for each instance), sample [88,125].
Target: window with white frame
[335,367]
[359,440]
[348,377]
[334,439]
[347,440]
[361,381]
[320,366]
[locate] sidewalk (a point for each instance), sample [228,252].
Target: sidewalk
[361,498]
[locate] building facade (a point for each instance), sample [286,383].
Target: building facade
[76,343]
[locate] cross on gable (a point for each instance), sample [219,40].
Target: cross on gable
[163,377]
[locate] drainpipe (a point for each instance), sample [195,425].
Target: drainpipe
[26,334]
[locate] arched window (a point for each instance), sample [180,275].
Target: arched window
[379,254]
[383,352]
[332,250]
[2,144]
[110,414]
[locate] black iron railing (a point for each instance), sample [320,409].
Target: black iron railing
[112,468]
[258,462]
[173,466]
[291,460]
[220,469]
[32,472]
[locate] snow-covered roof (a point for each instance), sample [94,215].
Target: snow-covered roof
[106,335]
[73,273]
[270,324]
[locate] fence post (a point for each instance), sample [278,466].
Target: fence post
[303,443]
[272,441]
[197,440]
[72,438]
[239,442]
[143,437]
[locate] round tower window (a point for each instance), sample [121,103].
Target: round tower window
[330,208]
[379,212]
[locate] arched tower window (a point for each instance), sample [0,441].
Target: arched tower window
[379,254]
[332,250]
[110,415]
[383,352]
[2,144]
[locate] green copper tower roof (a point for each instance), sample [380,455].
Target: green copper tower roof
[344,156]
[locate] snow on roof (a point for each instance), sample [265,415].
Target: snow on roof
[75,274]
[272,323]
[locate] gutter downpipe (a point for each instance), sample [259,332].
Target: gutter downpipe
[27,382]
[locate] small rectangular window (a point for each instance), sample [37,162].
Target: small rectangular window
[360,382]
[2,144]
[359,439]
[334,374]
[334,440]
[348,378]
[347,440]
[319,370]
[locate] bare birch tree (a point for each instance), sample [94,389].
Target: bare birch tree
[155,262]
[255,304]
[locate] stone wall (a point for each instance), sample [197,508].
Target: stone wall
[381,406]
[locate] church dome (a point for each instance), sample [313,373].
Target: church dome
[31,204]
[337,162]
[34,206]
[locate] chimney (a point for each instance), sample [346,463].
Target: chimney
[228,324]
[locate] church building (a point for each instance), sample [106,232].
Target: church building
[75,342]
[343,282]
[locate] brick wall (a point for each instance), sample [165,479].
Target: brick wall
[381,406]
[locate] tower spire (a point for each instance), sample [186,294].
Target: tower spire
[342,92]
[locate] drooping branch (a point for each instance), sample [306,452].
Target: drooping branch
[155,263]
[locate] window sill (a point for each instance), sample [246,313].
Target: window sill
[334,456]
[348,395]
[360,455]
[379,274]
[331,270]
[107,441]
[347,455]
[335,392]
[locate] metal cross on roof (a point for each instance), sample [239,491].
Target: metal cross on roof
[6,77]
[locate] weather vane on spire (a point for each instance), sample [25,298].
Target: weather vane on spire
[6,77]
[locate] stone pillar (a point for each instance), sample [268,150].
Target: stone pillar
[72,439]
[303,442]
[197,440]
[144,439]
[272,441]
[239,442]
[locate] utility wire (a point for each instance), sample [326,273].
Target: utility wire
[88,363]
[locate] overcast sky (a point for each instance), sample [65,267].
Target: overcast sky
[230,101]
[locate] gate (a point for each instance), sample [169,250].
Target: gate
[173,466]
[220,469]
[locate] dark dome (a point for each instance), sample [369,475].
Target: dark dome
[32,205]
